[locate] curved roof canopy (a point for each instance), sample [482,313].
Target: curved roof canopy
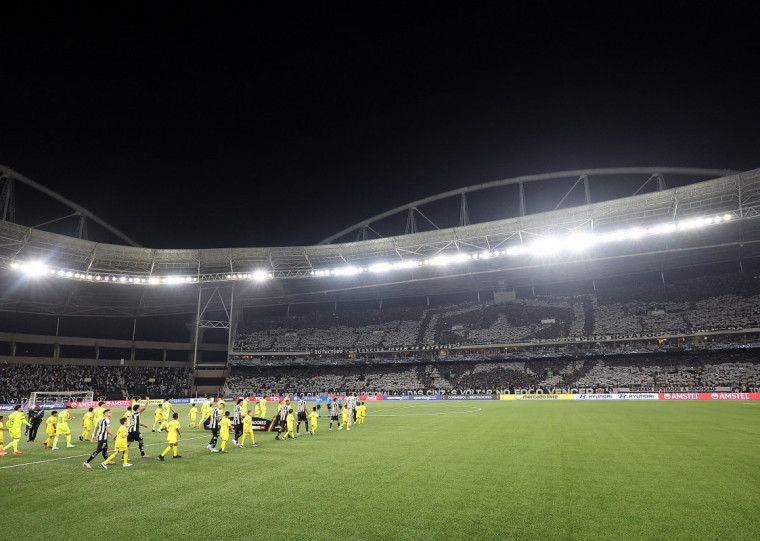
[87,278]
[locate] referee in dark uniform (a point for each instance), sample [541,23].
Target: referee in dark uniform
[133,428]
[102,431]
[213,425]
[35,418]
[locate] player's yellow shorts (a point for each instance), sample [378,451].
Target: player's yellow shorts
[62,429]
[88,426]
[50,432]
[121,446]
[14,435]
[172,440]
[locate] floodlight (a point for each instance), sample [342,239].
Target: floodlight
[259,275]
[578,242]
[380,267]
[33,268]
[727,217]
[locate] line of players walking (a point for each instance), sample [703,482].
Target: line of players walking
[213,417]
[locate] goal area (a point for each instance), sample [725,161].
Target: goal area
[39,397]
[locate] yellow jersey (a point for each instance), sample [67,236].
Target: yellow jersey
[121,436]
[225,426]
[87,419]
[173,428]
[63,418]
[50,424]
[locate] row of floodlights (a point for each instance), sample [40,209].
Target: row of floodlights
[36,268]
[543,247]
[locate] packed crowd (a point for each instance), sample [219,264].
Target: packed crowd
[20,380]
[690,306]
[738,369]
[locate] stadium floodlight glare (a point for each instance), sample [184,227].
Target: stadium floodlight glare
[578,242]
[380,267]
[259,275]
[545,247]
[345,271]
[33,268]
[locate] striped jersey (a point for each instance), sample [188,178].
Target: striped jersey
[101,431]
[334,408]
[237,415]
[284,411]
[302,406]
[134,422]
[214,418]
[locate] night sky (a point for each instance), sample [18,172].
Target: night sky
[196,128]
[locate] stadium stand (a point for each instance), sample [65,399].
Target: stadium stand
[725,302]
[650,372]
[19,380]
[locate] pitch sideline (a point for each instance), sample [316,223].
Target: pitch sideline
[88,454]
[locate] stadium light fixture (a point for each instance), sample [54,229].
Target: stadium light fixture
[259,275]
[33,268]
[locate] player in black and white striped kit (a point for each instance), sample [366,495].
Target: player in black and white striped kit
[101,434]
[237,422]
[302,415]
[213,425]
[351,403]
[133,429]
[334,413]
[284,407]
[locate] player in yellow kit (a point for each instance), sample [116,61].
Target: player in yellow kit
[224,431]
[158,418]
[87,424]
[172,436]
[263,407]
[121,445]
[289,420]
[63,427]
[2,451]
[50,423]
[361,411]
[167,411]
[248,429]
[205,411]
[313,417]
[15,420]
[344,422]
[193,415]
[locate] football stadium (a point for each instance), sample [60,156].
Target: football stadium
[586,366]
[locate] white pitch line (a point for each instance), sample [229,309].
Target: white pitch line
[88,454]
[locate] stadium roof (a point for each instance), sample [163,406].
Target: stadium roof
[87,278]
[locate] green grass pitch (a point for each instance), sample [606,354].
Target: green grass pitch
[434,470]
